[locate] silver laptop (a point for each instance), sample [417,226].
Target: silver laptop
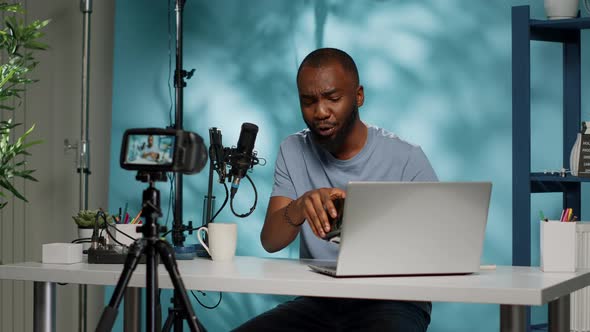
[411,228]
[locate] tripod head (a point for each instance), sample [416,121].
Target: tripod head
[150,177]
[151,202]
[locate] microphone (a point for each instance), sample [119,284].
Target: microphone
[242,157]
[217,153]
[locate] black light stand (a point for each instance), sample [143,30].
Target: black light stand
[178,227]
[180,74]
[151,246]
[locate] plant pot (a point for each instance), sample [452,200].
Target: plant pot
[85,232]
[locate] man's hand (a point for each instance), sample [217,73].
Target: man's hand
[153,155]
[316,204]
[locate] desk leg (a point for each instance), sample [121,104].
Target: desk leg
[44,306]
[512,318]
[559,314]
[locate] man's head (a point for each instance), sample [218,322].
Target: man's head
[150,141]
[329,95]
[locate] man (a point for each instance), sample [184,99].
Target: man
[150,152]
[312,170]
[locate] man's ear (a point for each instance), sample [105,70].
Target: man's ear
[360,96]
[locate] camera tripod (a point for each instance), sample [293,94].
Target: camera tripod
[151,246]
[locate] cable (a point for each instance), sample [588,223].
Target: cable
[112,237]
[186,230]
[120,231]
[170,198]
[231,202]
[204,306]
[82,240]
[222,205]
[172,202]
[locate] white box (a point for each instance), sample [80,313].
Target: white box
[558,246]
[62,253]
[129,229]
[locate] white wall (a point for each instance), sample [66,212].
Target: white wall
[54,105]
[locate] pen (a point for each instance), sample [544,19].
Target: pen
[136,219]
[125,212]
[542,215]
[562,218]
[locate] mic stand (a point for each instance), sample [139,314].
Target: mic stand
[175,314]
[151,246]
[209,198]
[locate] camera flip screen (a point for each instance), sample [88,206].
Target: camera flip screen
[146,149]
[162,150]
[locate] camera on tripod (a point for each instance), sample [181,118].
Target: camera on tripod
[153,152]
[162,150]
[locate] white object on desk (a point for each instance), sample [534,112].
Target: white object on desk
[62,253]
[129,229]
[558,246]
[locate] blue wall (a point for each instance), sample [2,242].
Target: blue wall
[437,73]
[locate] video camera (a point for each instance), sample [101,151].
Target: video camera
[163,150]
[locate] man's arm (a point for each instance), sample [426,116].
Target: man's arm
[284,216]
[277,233]
[418,167]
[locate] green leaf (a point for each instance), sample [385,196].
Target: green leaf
[7,185]
[36,45]
[18,40]
[11,8]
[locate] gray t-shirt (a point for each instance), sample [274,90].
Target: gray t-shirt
[303,165]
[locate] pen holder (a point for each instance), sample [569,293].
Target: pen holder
[558,246]
[129,229]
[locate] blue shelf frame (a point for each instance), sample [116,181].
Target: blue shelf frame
[524,182]
[525,30]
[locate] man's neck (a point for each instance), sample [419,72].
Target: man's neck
[354,143]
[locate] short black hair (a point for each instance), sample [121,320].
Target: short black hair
[324,56]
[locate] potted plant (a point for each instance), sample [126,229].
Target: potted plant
[17,41]
[86,219]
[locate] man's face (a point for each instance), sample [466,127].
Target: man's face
[150,141]
[329,99]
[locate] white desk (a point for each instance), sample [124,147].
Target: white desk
[513,288]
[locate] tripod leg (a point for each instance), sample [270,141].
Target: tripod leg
[167,257]
[169,320]
[152,321]
[107,319]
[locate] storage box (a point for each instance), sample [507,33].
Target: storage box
[62,253]
[558,246]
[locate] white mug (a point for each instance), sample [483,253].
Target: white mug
[223,238]
[560,9]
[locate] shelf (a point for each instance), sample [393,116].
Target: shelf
[548,183]
[524,183]
[556,178]
[561,31]
[565,24]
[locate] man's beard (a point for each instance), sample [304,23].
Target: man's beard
[333,143]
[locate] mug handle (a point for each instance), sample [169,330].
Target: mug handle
[201,239]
